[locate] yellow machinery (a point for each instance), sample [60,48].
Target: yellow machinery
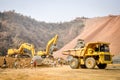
[96,53]
[20,51]
[50,47]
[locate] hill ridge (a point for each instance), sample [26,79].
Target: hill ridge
[16,28]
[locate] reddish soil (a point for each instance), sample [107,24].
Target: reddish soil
[24,62]
[99,29]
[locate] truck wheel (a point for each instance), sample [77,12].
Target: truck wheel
[74,63]
[102,66]
[90,63]
[69,58]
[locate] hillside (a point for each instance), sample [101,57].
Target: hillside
[99,29]
[16,28]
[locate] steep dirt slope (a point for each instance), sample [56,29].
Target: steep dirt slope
[99,29]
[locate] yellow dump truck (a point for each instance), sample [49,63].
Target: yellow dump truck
[91,55]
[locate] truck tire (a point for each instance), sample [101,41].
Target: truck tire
[69,58]
[90,62]
[74,63]
[102,66]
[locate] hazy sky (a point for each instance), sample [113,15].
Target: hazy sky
[61,10]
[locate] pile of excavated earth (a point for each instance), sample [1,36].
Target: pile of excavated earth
[105,29]
[23,62]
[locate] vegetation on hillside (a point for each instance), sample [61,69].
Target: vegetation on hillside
[16,28]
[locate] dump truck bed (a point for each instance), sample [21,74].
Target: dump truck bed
[73,52]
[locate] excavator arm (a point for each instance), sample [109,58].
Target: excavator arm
[21,49]
[50,47]
[27,46]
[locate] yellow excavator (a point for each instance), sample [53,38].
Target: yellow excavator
[50,47]
[45,57]
[20,51]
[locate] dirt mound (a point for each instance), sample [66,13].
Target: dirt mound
[99,29]
[23,62]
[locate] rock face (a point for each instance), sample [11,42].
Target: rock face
[99,29]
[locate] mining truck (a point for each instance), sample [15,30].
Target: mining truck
[91,55]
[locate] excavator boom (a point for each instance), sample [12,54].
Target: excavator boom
[27,46]
[21,49]
[51,43]
[50,47]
